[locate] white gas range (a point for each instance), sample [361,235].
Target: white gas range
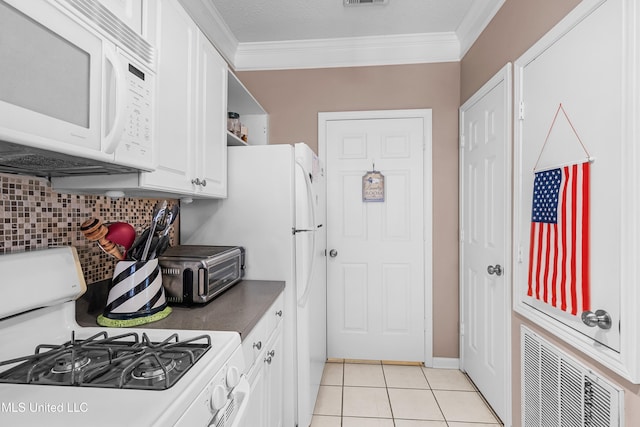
[55,372]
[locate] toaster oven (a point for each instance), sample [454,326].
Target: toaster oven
[196,274]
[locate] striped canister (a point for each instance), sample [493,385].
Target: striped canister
[136,290]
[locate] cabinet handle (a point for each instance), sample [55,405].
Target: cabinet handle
[204,183]
[279,313]
[195,181]
[257,345]
[267,360]
[271,353]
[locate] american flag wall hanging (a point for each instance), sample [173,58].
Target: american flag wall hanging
[559,249]
[559,254]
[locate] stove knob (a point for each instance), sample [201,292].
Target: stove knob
[218,397]
[233,377]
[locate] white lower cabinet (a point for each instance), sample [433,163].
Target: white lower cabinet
[263,351]
[274,381]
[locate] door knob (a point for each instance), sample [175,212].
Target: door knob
[600,319]
[333,253]
[497,270]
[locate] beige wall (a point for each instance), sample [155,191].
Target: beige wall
[517,26]
[294,98]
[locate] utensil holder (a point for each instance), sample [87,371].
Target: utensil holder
[136,295]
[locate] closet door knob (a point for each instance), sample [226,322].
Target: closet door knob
[600,318]
[497,270]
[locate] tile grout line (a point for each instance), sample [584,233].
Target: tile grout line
[386,387]
[342,395]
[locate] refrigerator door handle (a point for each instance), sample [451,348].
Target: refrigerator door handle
[302,301]
[301,230]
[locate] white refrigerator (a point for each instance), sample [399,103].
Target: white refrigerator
[276,211]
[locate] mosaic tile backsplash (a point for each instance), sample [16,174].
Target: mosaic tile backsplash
[34,216]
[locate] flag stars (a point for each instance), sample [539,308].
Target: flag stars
[545,196]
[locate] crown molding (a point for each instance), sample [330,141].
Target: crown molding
[211,23]
[348,52]
[475,21]
[341,52]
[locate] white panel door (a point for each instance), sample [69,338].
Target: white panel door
[485,234]
[376,278]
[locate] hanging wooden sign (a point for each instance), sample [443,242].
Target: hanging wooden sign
[373,187]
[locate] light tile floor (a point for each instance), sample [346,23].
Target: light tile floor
[380,395]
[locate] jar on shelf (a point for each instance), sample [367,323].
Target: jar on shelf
[244,132]
[233,123]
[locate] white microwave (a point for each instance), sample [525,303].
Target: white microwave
[76,90]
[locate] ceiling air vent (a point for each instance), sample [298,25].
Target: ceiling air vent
[362,2]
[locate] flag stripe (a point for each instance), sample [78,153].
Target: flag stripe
[554,277]
[563,282]
[574,228]
[586,278]
[547,257]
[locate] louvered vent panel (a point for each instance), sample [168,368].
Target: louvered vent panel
[597,400]
[570,395]
[549,374]
[101,18]
[557,391]
[531,375]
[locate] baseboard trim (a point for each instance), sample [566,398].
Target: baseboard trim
[446,363]
[374,362]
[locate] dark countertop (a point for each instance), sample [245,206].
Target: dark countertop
[237,309]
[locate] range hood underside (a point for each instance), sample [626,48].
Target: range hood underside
[24,160]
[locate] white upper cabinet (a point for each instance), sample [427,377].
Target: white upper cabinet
[211,150]
[175,41]
[190,151]
[192,79]
[253,117]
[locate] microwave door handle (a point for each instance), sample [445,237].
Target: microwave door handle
[112,138]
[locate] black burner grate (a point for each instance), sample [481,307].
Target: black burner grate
[128,360]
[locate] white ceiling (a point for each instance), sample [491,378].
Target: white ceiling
[277,34]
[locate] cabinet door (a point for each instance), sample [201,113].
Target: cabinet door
[275,379]
[255,415]
[211,161]
[173,152]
